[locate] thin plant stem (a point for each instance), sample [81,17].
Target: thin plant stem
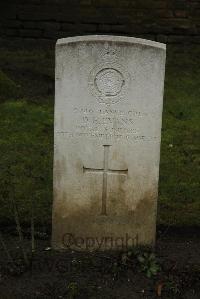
[32,227]
[19,230]
[6,250]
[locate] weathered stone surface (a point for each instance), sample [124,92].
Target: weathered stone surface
[108,111]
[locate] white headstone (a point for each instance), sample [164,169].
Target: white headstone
[108,113]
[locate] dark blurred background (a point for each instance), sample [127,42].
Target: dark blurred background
[168,21]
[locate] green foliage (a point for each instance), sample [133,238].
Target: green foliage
[172,285]
[26,147]
[117,268]
[148,264]
[141,258]
[179,185]
[73,290]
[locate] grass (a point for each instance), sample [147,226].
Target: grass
[8,88]
[26,146]
[26,136]
[179,202]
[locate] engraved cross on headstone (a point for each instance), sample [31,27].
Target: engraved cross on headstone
[105,171]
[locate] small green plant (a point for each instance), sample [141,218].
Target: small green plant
[73,290]
[148,264]
[116,269]
[172,285]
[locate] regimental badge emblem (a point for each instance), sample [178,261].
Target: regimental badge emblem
[108,82]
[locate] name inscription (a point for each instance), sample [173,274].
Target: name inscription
[107,123]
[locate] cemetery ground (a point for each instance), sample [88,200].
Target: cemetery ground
[26,149]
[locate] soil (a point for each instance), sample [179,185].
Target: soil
[72,274]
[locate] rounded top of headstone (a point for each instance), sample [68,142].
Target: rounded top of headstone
[110,38]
